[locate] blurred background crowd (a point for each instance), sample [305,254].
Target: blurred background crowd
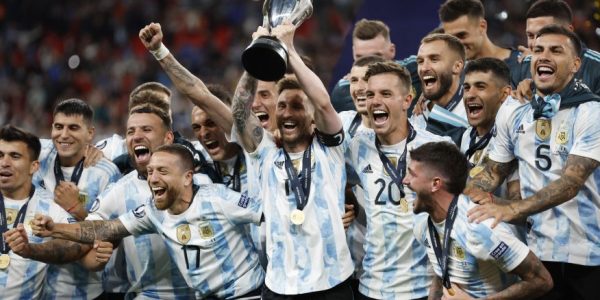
[53,50]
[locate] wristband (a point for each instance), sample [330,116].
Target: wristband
[491,197]
[74,206]
[161,52]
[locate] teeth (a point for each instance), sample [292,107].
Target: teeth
[377,112]
[140,147]
[157,189]
[545,69]
[260,114]
[474,105]
[428,77]
[288,123]
[208,143]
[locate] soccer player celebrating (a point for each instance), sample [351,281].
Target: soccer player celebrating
[440,60]
[395,266]
[308,254]
[199,223]
[555,140]
[22,271]
[75,188]
[470,260]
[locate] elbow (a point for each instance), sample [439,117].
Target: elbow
[544,283]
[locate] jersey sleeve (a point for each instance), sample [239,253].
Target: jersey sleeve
[137,221]
[239,208]
[501,145]
[59,215]
[587,131]
[107,205]
[498,244]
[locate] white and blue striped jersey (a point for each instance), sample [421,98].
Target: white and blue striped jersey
[395,265]
[113,146]
[480,258]
[313,256]
[73,280]
[24,278]
[209,241]
[569,232]
[457,116]
[150,271]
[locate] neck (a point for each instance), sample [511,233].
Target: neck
[183,202]
[447,97]
[556,91]
[441,205]
[483,129]
[396,136]
[366,121]
[299,146]
[70,161]
[20,193]
[231,151]
[489,49]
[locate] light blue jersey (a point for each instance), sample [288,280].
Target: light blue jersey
[73,281]
[150,271]
[24,278]
[209,241]
[569,232]
[113,146]
[479,257]
[395,265]
[312,256]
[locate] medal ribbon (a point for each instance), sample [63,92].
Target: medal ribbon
[19,219]
[76,173]
[354,125]
[399,171]
[236,179]
[442,254]
[481,144]
[301,190]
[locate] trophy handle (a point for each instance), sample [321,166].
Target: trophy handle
[265,12]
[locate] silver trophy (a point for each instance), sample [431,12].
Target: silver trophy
[266,58]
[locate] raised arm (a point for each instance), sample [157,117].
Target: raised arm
[326,118]
[247,125]
[185,82]
[83,232]
[492,175]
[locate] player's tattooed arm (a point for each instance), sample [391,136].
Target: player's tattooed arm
[491,177]
[574,174]
[58,251]
[246,123]
[89,231]
[436,291]
[535,281]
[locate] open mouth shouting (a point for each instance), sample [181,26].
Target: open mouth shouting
[544,72]
[158,191]
[5,175]
[142,154]
[474,110]
[263,117]
[379,117]
[288,126]
[429,81]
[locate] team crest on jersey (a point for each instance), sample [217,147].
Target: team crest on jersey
[11,215]
[459,252]
[543,129]
[83,197]
[206,230]
[403,205]
[562,137]
[184,234]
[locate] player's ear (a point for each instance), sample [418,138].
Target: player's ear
[188,178]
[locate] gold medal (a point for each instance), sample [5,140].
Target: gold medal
[297,217]
[451,292]
[475,170]
[4,261]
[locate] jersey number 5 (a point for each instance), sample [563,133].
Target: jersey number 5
[542,158]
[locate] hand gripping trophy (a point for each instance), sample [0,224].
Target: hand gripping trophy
[266,57]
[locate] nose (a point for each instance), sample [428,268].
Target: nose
[4,161]
[406,180]
[256,103]
[362,85]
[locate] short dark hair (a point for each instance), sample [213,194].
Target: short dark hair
[445,159]
[454,9]
[557,9]
[498,68]
[151,109]
[150,92]
[367,60]
[369,29]
[390,67]
[12,133]
[288,83]
[453,42]
[220,92]
[557,29]
[186,158]
[75,106]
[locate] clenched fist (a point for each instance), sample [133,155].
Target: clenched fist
[151,36]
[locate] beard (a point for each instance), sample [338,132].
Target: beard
[445,80]
[423,203]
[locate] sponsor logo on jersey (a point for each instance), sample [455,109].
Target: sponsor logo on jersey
[184,234]
[244,200]
[368,169]
[140,211]
[101,145]
[499,250]
[520,130]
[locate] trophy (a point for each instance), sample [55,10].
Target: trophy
[266,58]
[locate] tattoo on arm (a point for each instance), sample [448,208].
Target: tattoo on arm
[246,123]
[492,175]
[574,175]
[182,78]
[436,290]
[535,281]
[89,231]
[58,251]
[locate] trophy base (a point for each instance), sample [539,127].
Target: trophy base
[265,59]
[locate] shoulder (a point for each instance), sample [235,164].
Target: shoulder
[423,136]
[591,56]
[106,166]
